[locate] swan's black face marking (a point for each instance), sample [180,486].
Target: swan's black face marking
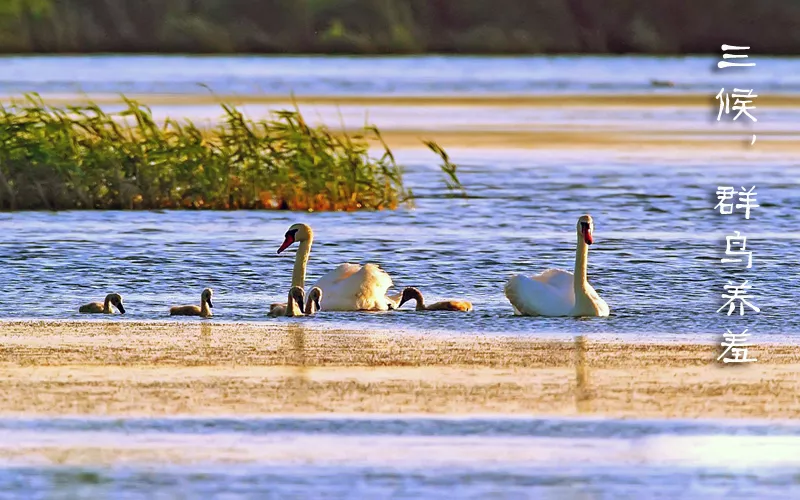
[586,231]
[289,238]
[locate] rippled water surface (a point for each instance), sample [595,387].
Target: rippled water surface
[397,458]
[656,257]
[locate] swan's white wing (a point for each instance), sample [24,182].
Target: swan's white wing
[342,272]
[558,278]
[351,287]
[534,297]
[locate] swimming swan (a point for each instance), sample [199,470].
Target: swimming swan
[203,310]
[114,299]
[312,303]
[349,287]
[556,292]
[411,293]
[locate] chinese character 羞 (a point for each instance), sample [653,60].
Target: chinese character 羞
[736,344]
[741,241]
[738,294]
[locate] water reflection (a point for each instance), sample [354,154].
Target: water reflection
[582,389]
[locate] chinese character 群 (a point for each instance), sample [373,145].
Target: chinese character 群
[738,294]
[747,200]
[726,64]
[741,241]
[736,344]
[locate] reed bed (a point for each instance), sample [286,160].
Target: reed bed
[82,157]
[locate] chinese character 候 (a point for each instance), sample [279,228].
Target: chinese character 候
[739,104]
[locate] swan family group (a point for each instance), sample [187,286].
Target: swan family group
[355,287]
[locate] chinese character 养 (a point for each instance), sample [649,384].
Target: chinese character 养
[738,294]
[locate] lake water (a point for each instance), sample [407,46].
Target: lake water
[656,261]
[659,241]
[656,257]
[398,458]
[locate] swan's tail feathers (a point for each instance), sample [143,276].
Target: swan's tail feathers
[380,277]
[514,293]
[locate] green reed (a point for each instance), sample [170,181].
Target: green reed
[81,157]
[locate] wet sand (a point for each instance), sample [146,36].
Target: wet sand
[203,368]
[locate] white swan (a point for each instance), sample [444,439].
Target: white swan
[556,292]
[349,287]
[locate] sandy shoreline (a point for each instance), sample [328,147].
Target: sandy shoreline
[206,369]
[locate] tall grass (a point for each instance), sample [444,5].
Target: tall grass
[81,157]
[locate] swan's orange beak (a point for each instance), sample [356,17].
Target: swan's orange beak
[587,236]
[288,241]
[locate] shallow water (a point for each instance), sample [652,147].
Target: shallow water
[325,75]
[397,457]
[656,257]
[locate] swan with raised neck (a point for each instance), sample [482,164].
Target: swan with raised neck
[556,292]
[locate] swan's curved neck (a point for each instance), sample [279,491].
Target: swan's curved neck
[203,306]
[581,256]
[420,302]
[300,261]
[107,305]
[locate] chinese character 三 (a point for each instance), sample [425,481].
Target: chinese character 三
[726,64]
